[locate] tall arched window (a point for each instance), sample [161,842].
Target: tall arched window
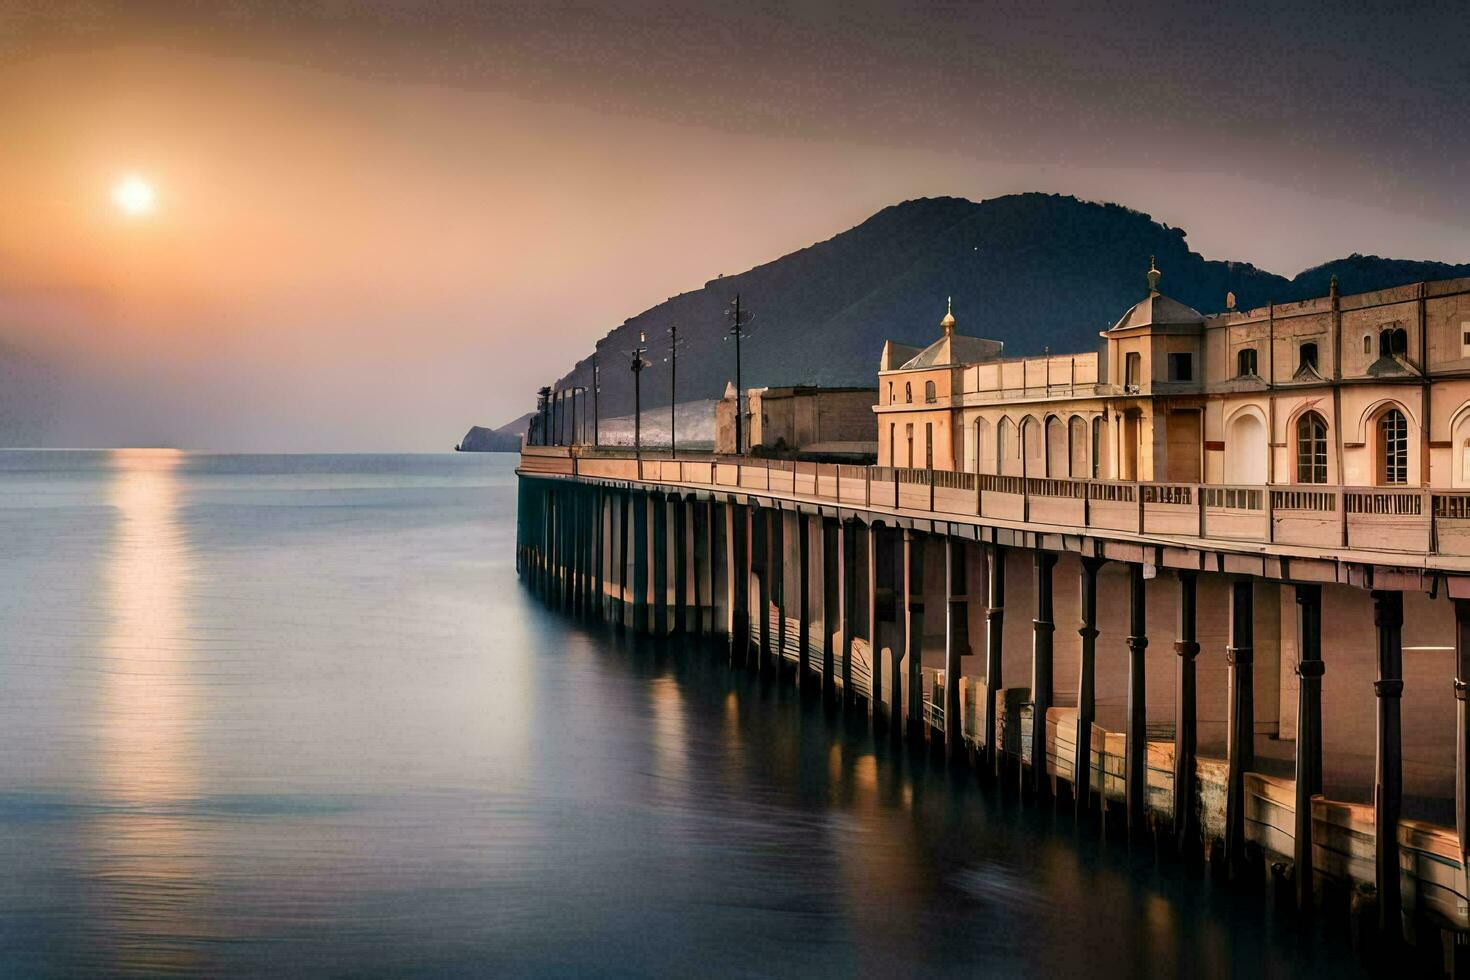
[1005,441]
[908,392]
[1077,437]
[1032,448]
[983,453]
[1311,448]
[1097,447]
[929,395]
[1393,447]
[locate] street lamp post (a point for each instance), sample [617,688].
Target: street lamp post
[596,387]
[637,367]
[737,327]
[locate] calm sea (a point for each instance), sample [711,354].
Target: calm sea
[295,715]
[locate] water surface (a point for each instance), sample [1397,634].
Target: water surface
[295,714]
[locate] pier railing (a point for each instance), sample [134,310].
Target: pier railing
[1408,521]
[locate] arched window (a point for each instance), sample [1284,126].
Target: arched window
[1245,362]
[982,444]
[1005,443]
[890,392]
[1393,447]
[1367,344]
[1097,445]
[1311,448]
[908,392]
[1077,437]
[929,394]
[1032,448]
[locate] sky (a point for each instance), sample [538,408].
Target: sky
[378,223]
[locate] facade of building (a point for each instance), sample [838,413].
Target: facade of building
[1365,390]
[805,419]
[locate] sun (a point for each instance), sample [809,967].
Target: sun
[134,196]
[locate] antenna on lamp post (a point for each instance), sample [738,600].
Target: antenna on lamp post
[738,320]
[596,388]
[674,390]
[637,367]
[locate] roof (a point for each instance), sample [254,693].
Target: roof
[1155,309]
[954,349]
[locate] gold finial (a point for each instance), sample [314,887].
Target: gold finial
[1153,277]
[948,322]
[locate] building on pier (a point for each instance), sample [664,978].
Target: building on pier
[803,420]
[1364,390]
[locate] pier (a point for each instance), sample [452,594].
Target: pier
[1267,681]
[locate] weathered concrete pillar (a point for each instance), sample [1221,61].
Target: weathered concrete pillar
[1186,722]
[956,644]
[1388,790]
[804,601]
[660,563]
[738,550]
[1308,732]
[640,562]
[681,564]
[1462,726]
[870,603]
[847,541]
[776,567]
[995,574]
[760,537]
[1043,626]
[830,564]
[624,504]
[1136,749]
[1240,657]
[1086,685]
[913,566]
[899,647]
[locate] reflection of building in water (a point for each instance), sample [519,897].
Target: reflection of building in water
[151,874]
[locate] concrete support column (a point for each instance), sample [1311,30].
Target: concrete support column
[623,502]
[913,590]
[640,562]
[1308,732]
[1043,627]
[1240,658]
[1086,685]
[737,539]
[1186,724]
[804,600]
[956,644]
[995,574]
[776,569]
[1135,759]
[829,609]
[847,540]
[1388,789]
[870,616]
[700,554]
[1462,725]
[760,557]
[681,564]
[660,563]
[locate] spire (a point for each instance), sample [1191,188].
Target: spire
[1153,277]
[948,322]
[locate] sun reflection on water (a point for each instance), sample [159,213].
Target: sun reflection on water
[150,873]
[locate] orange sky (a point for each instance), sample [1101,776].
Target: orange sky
[371,236]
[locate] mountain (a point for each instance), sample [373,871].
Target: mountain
[1033,270]
[505,439]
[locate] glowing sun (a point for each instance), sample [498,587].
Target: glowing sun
[134,196]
